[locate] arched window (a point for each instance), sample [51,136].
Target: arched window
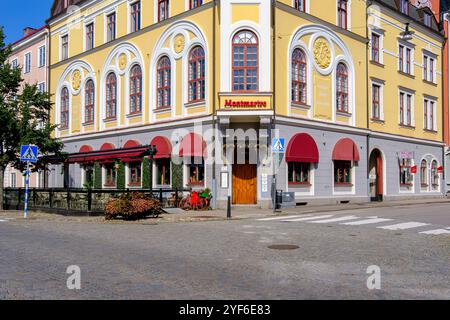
[434,174]
[164,83]
[111,96]
[299,77]
[89,102]
[424,173]
[342,88]
[197,74]
[136,90]
[245,61]
[65,108]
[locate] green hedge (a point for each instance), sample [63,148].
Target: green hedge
[146,173]
[97,176]
[120,175]
[177,176]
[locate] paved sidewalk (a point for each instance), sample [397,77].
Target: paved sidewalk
[244,212]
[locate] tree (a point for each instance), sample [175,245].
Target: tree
[24,117]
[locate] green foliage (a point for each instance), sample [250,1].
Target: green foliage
[177,176]
[120,174]
[133,206]
[146,173]
[97,176]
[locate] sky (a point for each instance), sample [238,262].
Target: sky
[16,15]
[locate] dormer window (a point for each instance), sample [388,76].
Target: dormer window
[427,19]
[404,6]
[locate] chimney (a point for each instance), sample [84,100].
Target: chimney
[27,31]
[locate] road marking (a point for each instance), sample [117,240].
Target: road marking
[284,217]
[436,232]
[404,226]
[367,221]
[3,220]
[345,218]
[310,218]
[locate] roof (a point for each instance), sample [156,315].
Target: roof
[34,32]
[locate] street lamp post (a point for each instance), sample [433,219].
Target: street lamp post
[152,151]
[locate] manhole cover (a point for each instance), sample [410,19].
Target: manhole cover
[284,247]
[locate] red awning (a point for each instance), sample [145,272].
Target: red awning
[302,148]
[163,146]
[107,146]
[131,144]
[108,155]
[193,145]
[346,150]
[86,149]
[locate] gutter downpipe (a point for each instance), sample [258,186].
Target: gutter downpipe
[214,116]
[369,4]
[274,184]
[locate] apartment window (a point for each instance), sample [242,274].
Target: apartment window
[64,47]
[163,10]
[298,172]
[162,172]
[136,90]
[376,47]
[428,68]
[299,77]
[404,6]
[406,177]
[135,16]
[427,19]
[110,175]
[342,13]
[42,57]
[406,109]
[15,63]
[408,61]
[195,3]
[111,96]
[300,5]
[245,61]
[342,88]
[376,105]
[41,87]
[27,68]
[434,174]
[135,174]
[424,173]
[90,36]
[429,114]
[404,59]
[164,83]
[89,102]
[196,172]
[197,74]
[111,27]
[64,108]
[342,172]
[13,180]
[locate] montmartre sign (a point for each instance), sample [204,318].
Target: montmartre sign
[245,102]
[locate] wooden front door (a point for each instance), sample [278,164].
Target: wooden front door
[244,184]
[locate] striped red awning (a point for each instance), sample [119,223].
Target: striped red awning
[193,145]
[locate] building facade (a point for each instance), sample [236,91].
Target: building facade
[211,83]
[30,53]
[445,17]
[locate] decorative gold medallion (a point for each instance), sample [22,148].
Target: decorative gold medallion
[123,61]
[76,80]
[322,53]
[179,43]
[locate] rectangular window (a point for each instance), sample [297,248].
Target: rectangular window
[401,49]
[110,175]
[64,47]
[135,174]
[300,5]
[427,19]
[406,109]
[15,63]
[375,47]
[429,115]
[406,177]
[298,173]
[135,16]
[425,68]
[428,68]
[408,61]
[342,172]
[13,180]
[90,36]
[196,173]
[404,6]
[376,107]
[405,59]
[41,87]
[163,10]
[27,68]
[111,27]
[42,57]
[163,172]
[195,3]
[342,14]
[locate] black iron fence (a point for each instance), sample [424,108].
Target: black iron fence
[82,201]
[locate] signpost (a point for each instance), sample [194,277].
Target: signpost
[28,154]
[278,151]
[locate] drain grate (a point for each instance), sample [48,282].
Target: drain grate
[283,247]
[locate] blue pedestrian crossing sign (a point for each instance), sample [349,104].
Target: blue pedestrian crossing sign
[29,153]
[278,145]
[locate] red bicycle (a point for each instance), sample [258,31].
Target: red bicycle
[194,202]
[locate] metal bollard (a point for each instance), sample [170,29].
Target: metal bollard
[229,208]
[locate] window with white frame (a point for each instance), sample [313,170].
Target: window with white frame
[41,57]
[27,63]
[41,87]
[434,175]
[135,15]
[427,19]
[404,6]
[90,36]
[424,173]
[342,11]
[406,112]
[135,174]
[300,5]
[429,114]
[111,27]
[428,68]
[376,49]
[13,183]
[64,47]
[405,62]
[15,63]
[195,3]
[163,10]
[377,101]
[406,176]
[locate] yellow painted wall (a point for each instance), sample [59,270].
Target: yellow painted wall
[245,12]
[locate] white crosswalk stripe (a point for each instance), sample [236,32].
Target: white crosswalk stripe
[436,231]
[404,226]
[3,220]
[284,217]
[345,218]
[309,218]
[366,221]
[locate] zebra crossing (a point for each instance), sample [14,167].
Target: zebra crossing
[352,220]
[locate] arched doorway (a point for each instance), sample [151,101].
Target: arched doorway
[376,175]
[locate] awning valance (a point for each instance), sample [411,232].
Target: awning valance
[346,150]
[126,154]
[163,146]
[193,145]
[302,148]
